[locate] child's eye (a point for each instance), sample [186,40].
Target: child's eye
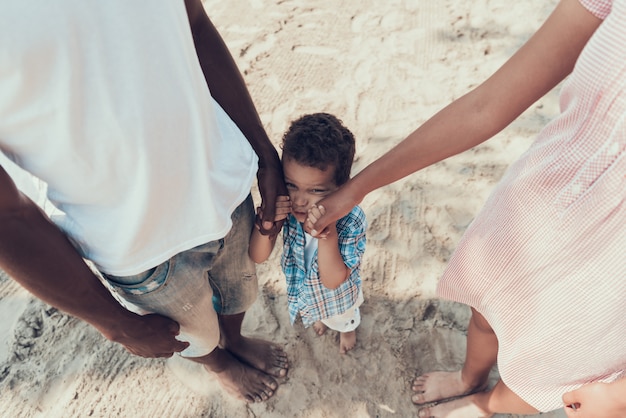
[319,191]
[290,186]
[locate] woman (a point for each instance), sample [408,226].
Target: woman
[543,264]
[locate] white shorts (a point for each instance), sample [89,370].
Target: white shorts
[347,321]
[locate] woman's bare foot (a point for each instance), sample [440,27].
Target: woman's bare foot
[319,328]
[459,408]
[262,355]
[437,386]
[239,379]
[347,341]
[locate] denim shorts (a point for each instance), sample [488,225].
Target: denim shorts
[195,285]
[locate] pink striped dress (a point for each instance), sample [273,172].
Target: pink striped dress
[545,259]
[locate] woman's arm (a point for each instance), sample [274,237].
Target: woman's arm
[546,59]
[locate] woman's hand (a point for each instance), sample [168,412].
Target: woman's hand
[594,400]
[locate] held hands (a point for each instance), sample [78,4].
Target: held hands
[595,400]
[282,208]
[150,335]
[314,214]
[328,210]
[272,189]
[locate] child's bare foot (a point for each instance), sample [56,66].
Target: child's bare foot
[262,355]
[319,328]
[437,386]
[242,381]
[459,408]
[347,341]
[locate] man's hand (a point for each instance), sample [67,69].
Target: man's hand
[272,189]
[150,335]
[283,209]
[596,400]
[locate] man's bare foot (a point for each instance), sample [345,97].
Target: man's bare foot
[319,327]
[347,341]
[240,380]
[459,408]
[262,355]
[437,386]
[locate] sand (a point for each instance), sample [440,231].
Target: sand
[383,67]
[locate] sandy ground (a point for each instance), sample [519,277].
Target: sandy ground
[383,67]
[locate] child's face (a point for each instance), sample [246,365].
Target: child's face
[306,186]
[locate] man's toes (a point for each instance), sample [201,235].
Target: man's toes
[282,359]
[278,371]
[261,396]
[267,394]
[269,382]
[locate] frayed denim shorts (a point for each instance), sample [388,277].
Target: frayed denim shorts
[195,285]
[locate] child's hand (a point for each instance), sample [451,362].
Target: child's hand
[282,210]
[313,214]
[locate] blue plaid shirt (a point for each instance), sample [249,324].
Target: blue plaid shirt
[306,295]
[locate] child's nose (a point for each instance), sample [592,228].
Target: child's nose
[299,199]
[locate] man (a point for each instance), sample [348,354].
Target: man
[108,103]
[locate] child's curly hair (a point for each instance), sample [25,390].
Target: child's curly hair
[320,140]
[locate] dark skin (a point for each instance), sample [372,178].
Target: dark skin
[229,90]
[35,253]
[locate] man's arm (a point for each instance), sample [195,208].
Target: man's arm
[229,90]
[35,253]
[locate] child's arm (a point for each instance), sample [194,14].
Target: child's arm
[340,248]
[261,245]
[332,269]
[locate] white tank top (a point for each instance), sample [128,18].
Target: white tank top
[106,102]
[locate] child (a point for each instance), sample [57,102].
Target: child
[542,265]
[323,279]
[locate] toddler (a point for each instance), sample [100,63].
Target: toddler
[323,273]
